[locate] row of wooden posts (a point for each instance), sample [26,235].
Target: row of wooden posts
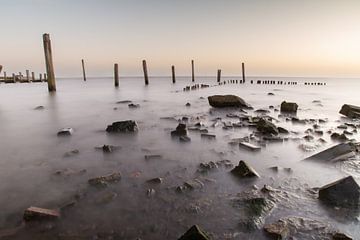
[14,78]
[51,74]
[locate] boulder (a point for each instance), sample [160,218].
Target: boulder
[338,152]
[266,127]
[350,111]
[195,233]
[288,107]
[243,170]
[277,230]
[122,126]
[36,213]
[180,130]
[344,192]
[221,101]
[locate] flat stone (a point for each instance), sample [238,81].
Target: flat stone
[338,152]
[350,111]
[66,132]
[222,101]
[243,170]
[153,156]
[157,180]
[249,146]
[36,213]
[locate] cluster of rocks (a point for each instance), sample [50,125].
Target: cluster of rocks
[195,87]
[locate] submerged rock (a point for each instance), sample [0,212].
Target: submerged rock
[39,108]
[36,213]
[266,127]
[103,181]
[195,233]
[221,101]
[132,105]
[180,130]
[350,111]
[344,192]
[65,132]
[122,126]
[289,107]
[338,152]
[243,170]
[184,139]
[339,137]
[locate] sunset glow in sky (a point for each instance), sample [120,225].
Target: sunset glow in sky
[273,37]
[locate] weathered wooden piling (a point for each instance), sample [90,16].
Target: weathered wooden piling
[116,74]
[192,71]
[146,78]
[49,63]
[27,75]
[4,76]
[218,75]
[83,69]
[40,77]
[32,76]
[173,73]
[243,71]
[14,78]
[45,77]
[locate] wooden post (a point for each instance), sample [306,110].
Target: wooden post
[32,76]
[116,75]
[243,71]
[14,79]
[145,73]
[49,63]
[218,75]
[4,76]
[45,77]
[83,68]
[173,73]
[27,76]
[40,77]
[192,71]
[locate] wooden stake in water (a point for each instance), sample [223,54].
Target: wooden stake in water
[83,68]
[49,63]
[218,75]
[14,79]
[27,75]
[145,73]
[192,71]
[173,73]
[40,77]
[116,75]
[243,72]
[45,77]
[32,76]
[4,76]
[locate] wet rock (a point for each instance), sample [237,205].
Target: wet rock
[289,107]
[103,181]
[339,137]
[150,192]
[72,153]
[179,131]
[282,130]
[208,136]
[277,230]
[39,108]
[108,148]
[122,126]
[187,104]
[270,94]
[343,126]
[249,146]
[338,152]
[36,213]
[132,105]
[350,111]
[210,166]
[65,132]
[308,138]
[153,157]
[243,170]
[341,236]
[298,121]
[195,233]
[157,180]
[124,102]
[221,101]
[344,192]
[266,127]
[274,169]
[262,111]
[184,139]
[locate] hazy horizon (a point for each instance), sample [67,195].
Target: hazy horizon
[273,38]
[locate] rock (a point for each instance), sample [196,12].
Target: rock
[344,192]
[150,192]
[65,132]
[36,213]
[108,148]
[289,107]
[208,136]
[157,180]
[153,156]
[210,166]
[221,101]
[180,130]
[266,127]
[339,137]
[243,170]
[103,181]
[249,146]
[195,233]
[124,102]
[341,236]
[39,108]
[277,230]
[338,152]
[122,126]
[184,139]
[282,130]
[187,104]
[132,105]
[308,137]
[262,111]
[72,153]
[350,111]
[270,94]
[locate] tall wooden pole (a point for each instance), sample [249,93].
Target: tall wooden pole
[27,75]
[243,72]
[14,78]
[83,68]
[5,76]
[45,77]
[192,71]
[173,73]
[40,77]
[32,76]
[116,75]
[145,73]
[218,75]
[49,63]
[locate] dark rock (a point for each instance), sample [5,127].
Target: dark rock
[180,130]
[277,231]
[282,130]
[153,156]
[132,105]
[289,107]
[65,132]
[187,104]
[270,94]
[124,102]
[39,108]
[308,138]
[262,111]
[157,180]
[266,127]
[221,101]
[122,126]
[195,233]
[184,139]
[103,181]
[341,236]
[107,148]
[339,137]
[350,111]
[243,170]
[35,213]
[344,192]
[338,152]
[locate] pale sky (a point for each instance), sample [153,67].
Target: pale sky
[272,37]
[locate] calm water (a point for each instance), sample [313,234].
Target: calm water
[31,153]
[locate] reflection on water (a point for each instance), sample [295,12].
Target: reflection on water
[35,172]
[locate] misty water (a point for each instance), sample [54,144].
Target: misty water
[35,172]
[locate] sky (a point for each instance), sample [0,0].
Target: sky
[272,37]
